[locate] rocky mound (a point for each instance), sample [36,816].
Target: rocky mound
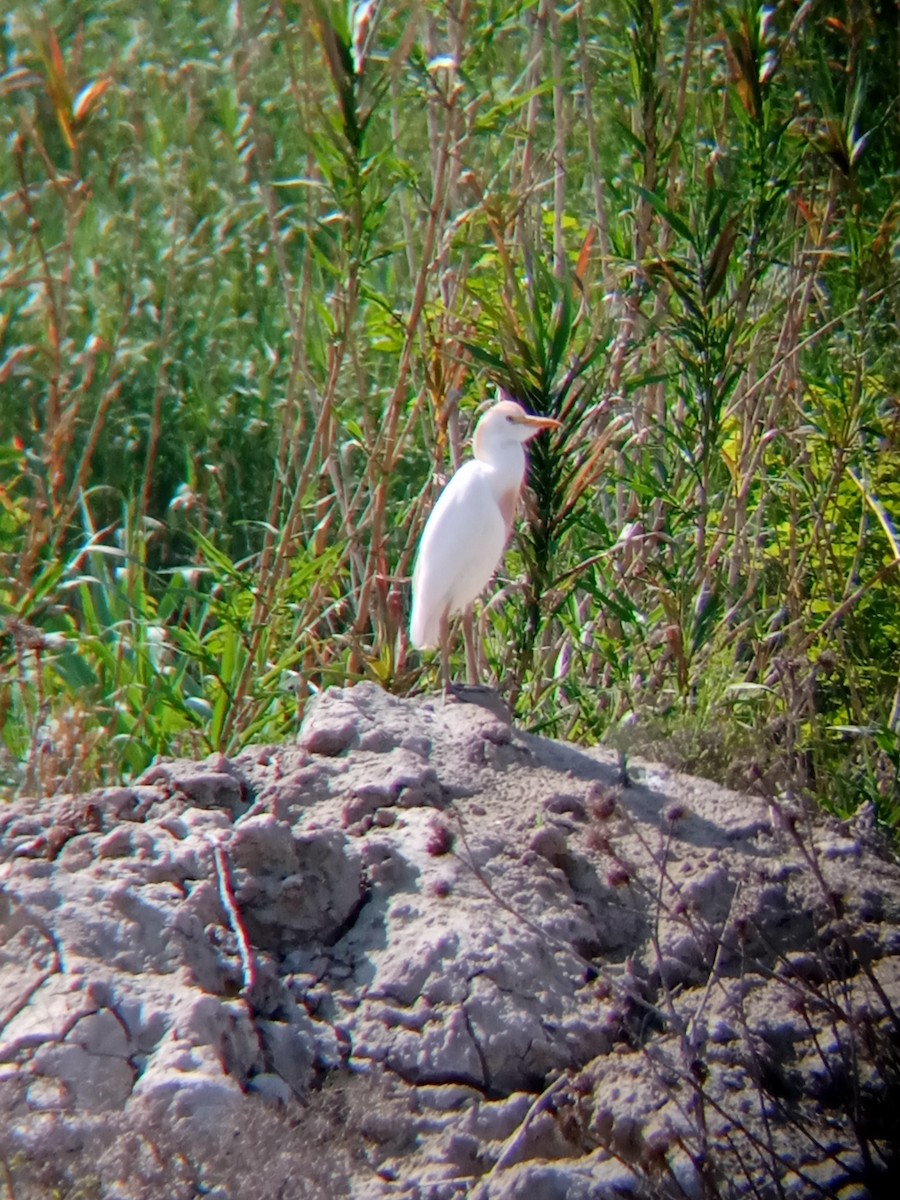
[418,954]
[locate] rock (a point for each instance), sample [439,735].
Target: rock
[92,1082]
[217,783]
[550,843]
[330,739]
[607,1181]
[307,886]
[424,955]
[273,1087]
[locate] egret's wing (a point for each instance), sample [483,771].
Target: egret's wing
[461,545]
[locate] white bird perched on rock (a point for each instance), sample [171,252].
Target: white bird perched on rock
[469,526]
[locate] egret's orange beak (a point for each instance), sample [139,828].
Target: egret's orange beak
[541,422]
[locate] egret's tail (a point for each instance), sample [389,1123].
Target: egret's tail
[427,606]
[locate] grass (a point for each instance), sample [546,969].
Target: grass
[261,264]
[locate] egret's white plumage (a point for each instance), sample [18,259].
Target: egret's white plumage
[465,535]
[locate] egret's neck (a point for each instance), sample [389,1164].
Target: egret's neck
[506,460]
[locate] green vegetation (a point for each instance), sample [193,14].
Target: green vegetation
[259,265]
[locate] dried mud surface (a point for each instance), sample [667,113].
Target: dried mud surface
[419,954]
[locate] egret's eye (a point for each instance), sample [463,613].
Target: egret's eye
[511,420]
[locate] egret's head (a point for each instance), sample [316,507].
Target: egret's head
[508,422]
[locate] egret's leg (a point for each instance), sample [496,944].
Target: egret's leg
[445,653]
[471,649]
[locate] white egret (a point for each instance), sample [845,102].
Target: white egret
[469,526]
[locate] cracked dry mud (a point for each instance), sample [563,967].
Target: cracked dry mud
[473,966]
